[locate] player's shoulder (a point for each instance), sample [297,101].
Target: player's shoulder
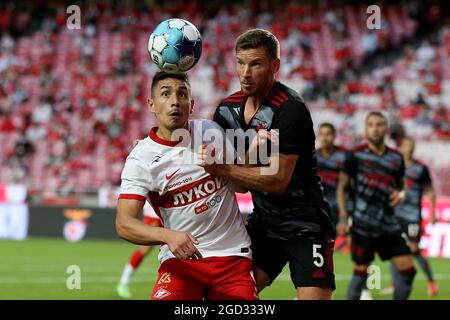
[203,125]
[286,97]
[233,99]
[420,164]
[394,152]
[144,150]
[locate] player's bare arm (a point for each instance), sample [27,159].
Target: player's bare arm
[261,141]
[429,190]
[131,228]
[240,189]
[252,178]
[398,196]
[341,197]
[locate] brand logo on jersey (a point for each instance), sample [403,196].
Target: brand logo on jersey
[168,177]
[208,204]
[165,278]
[368,164]
[198,191]
[162,293]
[376,180]
[329,177]
[261,125]
[188,193]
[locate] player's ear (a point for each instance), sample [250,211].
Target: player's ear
[151,104]
[192,106]
[276,65]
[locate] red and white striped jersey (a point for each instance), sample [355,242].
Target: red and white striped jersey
[185,196]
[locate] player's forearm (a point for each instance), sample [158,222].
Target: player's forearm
[341,198]
[240,189]
[432,196]
[137,232]
[251,178]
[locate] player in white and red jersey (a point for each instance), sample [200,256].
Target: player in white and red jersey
[205,252]
[135,260]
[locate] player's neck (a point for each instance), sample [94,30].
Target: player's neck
[255,101]
[378,149]
[166,134]
[328,151]
[408,161]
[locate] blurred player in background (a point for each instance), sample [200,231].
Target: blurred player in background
[378,172]
[123,288]
[290,222]
[409,213]
[330,159]
[205,252]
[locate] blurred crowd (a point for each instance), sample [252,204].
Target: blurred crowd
[73,101]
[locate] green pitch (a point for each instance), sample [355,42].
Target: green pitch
[37,269]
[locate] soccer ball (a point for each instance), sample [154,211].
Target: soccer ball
[175,45]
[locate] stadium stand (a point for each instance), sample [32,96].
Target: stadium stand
[73,101]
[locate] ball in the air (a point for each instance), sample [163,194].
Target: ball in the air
[175,45]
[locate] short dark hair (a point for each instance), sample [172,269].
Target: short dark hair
[257,38]
[329,126]
[376,114]
[161,75]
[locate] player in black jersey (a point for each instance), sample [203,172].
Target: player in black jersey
[409,213]
[378,172]
[291,222]
[330,160]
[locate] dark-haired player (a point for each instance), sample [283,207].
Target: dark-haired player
[290,222]
[330,160]
[205,252]
[409,213]
[378,173]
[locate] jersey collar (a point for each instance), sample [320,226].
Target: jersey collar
[152,134]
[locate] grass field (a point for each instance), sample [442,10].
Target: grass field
[36,269]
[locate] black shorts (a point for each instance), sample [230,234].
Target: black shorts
[412,229]
[310,260]
[363,248]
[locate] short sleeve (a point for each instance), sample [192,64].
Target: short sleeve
[295,127]
[226,152]
[350,164]
[135,180]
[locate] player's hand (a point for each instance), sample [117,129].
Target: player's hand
[261,140]
[433,220]
[396,197]
[206,154]
[182,245]
[206,158]
[342,228]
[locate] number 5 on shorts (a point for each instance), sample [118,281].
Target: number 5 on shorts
[317,255]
